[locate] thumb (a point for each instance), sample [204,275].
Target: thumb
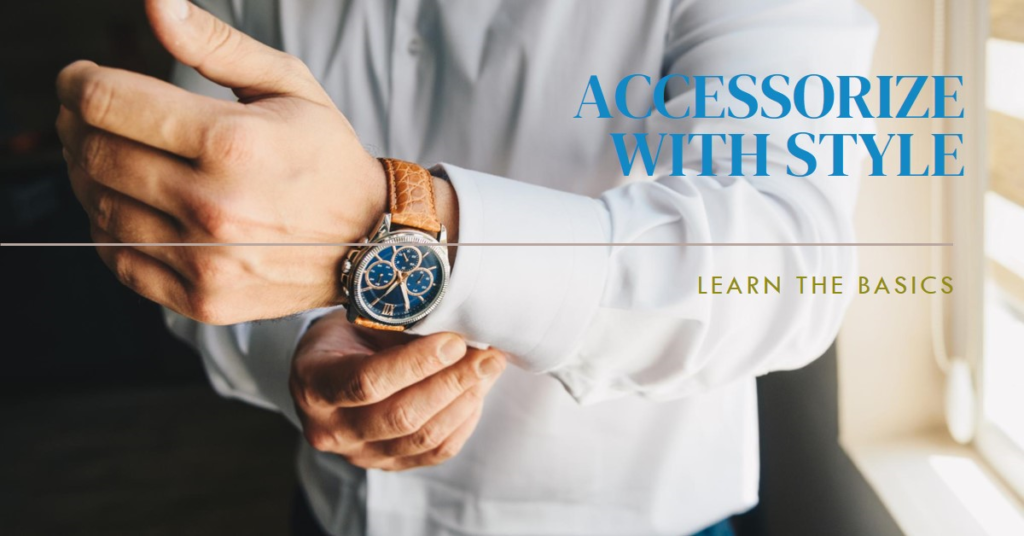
[227,56]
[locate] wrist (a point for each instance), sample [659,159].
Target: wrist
[376,186]
[375,195]
[401,274]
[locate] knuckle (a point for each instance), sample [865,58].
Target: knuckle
[230,141]
[427,365]
[293,72]
[390,449]
[122,266]
[427,438]
[222,40]
[360,388]
[401,421]
[93,152]
[431,459]
[303,392]
[360,431]
[475,395]
[297,387]
[296,77]
[319,440]
[294,67]
[446,451]
[207,269]
[458,382]
[207,310]
[103,209]
[213,220]
[96,98]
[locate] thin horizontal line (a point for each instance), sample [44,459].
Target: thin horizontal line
[488,244]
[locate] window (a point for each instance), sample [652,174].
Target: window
[1000,434]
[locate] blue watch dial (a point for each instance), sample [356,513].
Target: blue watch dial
[400,281]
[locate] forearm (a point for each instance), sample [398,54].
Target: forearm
[615,320]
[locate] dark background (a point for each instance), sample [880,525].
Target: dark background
[109,425]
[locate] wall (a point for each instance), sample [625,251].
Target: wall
[889,382]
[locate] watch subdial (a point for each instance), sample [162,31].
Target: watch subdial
[379,275]
[419,281]
[407,258]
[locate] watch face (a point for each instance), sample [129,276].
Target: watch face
[401,280]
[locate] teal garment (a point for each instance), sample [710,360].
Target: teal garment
[723,528]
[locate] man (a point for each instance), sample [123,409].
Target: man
[630,408]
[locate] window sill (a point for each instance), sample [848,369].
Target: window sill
[933,487]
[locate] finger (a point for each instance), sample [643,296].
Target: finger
[439,428]
[352,381]
[227,56]
[125,220]
[145,275]
[142,108]
[322,433]
[408,410]
[447,450]
[148,175]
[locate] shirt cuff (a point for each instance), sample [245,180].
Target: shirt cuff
[532,301]
[250,362]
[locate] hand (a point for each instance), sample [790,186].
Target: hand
[152,163]
[387,400]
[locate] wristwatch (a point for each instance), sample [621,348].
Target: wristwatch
[401,274]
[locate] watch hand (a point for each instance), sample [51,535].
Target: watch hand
[405,295]
[386,292]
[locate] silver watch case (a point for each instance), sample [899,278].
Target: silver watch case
[359,258]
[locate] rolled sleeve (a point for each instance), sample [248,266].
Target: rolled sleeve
[532,301]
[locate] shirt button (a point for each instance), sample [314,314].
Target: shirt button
[415,46]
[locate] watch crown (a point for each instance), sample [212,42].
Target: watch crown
[346,268]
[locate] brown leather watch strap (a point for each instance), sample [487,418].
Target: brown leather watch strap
[360,321]
[411,195]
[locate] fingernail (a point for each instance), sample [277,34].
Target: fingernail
[452,350]
[488,367]
[178,8]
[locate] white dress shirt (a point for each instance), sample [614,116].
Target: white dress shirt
[631,409]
